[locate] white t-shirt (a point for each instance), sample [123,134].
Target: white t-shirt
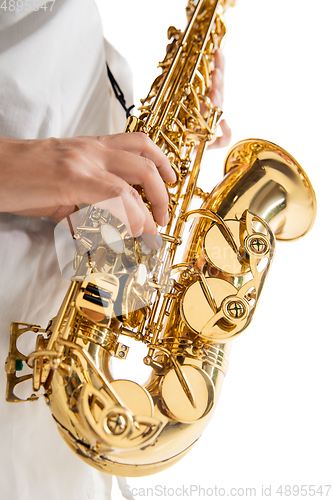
[53,82]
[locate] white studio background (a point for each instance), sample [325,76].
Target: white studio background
[273,423]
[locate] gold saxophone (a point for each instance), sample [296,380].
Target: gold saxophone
[185,314]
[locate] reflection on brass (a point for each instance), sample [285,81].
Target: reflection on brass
[184,311]
[177,405]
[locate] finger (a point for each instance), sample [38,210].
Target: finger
[219,60]
[53,212]
[218,81]
[224,139]
[135,169]
[93,185]
[123,208]
[140,144]
[217,88]
[153,241]
[216,97]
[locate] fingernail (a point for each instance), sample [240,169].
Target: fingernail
[139,233]
[165,219]
[153,241]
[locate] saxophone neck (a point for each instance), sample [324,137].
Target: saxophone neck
[185,78]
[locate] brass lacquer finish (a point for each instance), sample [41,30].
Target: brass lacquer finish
[185,313]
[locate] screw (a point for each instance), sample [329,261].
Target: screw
[258,245]
[116,424]
[236,309]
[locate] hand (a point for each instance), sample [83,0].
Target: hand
[49,177]
[216,96]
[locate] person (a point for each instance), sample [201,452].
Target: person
[59,148]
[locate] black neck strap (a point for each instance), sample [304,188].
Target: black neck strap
[118,93]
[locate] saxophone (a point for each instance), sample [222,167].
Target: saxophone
[183,311]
